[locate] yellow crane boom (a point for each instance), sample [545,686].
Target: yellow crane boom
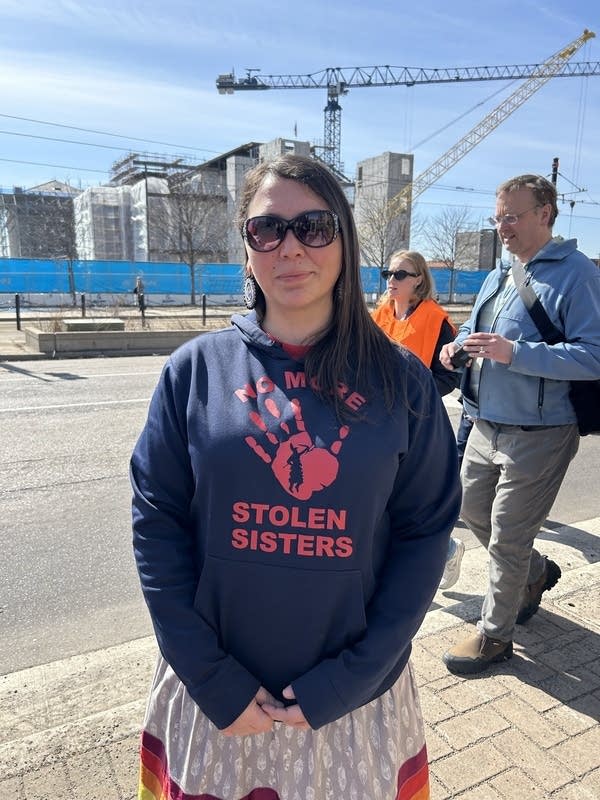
[547,70]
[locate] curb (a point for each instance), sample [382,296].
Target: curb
[55,711]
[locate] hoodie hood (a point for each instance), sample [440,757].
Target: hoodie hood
[253,335]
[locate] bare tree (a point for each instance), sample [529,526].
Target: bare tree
[442,239]
[381,230]
[190,225]
[440,235]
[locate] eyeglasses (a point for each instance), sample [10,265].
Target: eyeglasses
[311,228]
[397,274]
[511,219]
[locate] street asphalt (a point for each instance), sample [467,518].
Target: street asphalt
[528,728]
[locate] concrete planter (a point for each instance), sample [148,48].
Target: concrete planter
[102,324]
[106,342]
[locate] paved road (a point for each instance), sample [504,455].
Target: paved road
[68,580]
[67,574]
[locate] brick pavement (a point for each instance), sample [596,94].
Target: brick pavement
[529,728]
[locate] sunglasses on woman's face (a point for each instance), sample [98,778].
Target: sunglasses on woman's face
[311,228]
[397,274]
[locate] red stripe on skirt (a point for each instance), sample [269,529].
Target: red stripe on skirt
[154,776]
[413,778]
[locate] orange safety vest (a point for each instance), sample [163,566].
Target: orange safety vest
[419,332]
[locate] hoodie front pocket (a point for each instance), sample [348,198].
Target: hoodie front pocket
[278,622]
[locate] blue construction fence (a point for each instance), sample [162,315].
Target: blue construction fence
[61,276]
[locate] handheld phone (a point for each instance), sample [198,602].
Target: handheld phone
[460,358]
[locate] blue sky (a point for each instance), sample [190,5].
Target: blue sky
[148,70]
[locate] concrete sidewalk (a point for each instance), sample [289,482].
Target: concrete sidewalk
[13,346]
[528,728]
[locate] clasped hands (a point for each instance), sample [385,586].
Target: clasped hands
[263,711]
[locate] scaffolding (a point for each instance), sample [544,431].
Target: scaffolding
[103,223]
[36,225]
[135,167]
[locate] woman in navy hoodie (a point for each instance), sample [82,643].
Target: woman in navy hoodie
[295,486]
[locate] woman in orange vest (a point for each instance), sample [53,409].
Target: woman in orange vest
[408,314]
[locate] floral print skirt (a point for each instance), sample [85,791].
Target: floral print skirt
[377,752]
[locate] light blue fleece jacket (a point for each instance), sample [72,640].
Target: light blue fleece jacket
[534,388]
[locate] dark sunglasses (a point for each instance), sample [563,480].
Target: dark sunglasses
[397,274]
[311,228]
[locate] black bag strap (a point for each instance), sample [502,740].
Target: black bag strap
[537,312]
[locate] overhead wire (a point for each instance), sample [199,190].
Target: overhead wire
[54,166]
[71,142]
[106,133]
[62,141]
[578,145]
[460,116]
[81,143]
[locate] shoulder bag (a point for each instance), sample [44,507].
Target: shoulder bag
[584,395]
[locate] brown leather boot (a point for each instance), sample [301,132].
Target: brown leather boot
[476,653]
[534,591]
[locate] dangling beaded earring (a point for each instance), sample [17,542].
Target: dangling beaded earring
[250,291]
[339,289]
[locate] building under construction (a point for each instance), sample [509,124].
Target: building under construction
[139,216]
[164,209]
[111,222]
[38,222]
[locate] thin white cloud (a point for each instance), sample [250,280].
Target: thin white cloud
[140,23]
[77,94]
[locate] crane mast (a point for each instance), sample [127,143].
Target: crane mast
[338,80]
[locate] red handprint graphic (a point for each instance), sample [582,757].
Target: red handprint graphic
[299,465]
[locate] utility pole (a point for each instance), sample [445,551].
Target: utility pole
[554,170]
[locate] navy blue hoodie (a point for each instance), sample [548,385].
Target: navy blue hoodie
[276,545]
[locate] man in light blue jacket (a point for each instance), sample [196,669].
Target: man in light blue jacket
[516,388]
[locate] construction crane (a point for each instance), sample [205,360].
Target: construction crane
[549,69]
[339,80]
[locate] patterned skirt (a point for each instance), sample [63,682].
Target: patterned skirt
[377,752]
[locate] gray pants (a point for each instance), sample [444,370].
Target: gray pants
[511,476]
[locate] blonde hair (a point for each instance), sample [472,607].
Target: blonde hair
[424,291]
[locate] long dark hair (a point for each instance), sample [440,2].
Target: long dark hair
[352,345]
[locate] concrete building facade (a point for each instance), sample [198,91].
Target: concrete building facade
[236,167]
[478,249]
[383,226]
[134,218]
